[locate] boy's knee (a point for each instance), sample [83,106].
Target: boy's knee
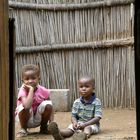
[88,130]
[24,113]
[47,112]
[48,108]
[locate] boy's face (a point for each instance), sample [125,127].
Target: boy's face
[86,87]
[30,78]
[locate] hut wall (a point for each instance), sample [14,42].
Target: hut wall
[69,39]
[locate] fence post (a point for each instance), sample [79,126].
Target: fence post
[4,71]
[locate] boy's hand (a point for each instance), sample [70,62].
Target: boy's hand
[75,125]
[81,126]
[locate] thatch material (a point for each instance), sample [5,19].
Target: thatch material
[67,44]
[111,68]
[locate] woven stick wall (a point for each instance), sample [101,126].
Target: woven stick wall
[71,38]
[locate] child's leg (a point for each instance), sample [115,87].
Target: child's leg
[24,116]
[66,133]
[46,116]
[88,131]
[92,129]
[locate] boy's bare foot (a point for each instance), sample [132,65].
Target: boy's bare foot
[54,130]
[79,136]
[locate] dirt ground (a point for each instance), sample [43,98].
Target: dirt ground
[116,124]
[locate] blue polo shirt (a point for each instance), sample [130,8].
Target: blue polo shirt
[85,111]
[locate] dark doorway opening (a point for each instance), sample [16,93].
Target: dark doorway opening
[11,77]
[137,63]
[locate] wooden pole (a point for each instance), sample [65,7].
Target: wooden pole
[89,45]
[4,71]
[74,6]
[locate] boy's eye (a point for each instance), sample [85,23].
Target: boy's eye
[26,78]
[33,78]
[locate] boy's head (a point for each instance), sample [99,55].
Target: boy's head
[30,75]
[86,86]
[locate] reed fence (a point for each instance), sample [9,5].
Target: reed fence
[72,38]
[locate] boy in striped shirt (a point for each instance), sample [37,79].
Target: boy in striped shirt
[86,114]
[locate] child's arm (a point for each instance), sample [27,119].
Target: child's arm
[27,101]
[74,122]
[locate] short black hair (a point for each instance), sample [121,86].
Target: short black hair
[88,78]
[33,67]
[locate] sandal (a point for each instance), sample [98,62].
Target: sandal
[44,129]
[22,133]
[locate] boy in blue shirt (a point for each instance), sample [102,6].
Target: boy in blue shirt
[86,114]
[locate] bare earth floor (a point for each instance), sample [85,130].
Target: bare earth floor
[116,124]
